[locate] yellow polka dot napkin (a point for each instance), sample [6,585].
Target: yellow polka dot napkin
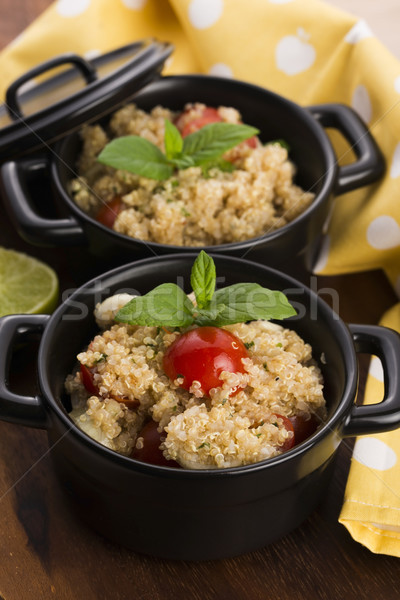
[371,507]
[312,53]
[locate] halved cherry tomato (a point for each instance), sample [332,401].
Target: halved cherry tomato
[151,453]
[202,354]
[109,212]
[290,442]
[132,404]
[187,125]
[88,381]
[251,142]
[303,428]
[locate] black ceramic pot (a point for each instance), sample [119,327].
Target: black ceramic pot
[276,117]
[184,514]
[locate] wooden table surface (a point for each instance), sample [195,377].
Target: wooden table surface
[45,553]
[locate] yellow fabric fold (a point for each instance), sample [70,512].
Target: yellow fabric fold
[371,507]
[311,53]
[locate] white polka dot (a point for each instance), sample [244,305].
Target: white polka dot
[395,166]
[397,84]
[16,40]
[293,54]
[72,8]
[205,13]
[323,255]
[361,103]
[375,369]
[386,527]
[383,233]
[359,32]
[134,4]
[374,453]
[221,69]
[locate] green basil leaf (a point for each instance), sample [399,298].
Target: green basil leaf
[249,302]
[172,140]
[219,163]
[202,279]
[137,155]
[223,165]
[183,162]
[211,141]
[166,305]
[209,316]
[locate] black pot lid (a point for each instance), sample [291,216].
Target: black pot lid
[34,116]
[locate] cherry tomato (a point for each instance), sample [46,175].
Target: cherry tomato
[187,125]
[87,380]
[202,354]
[303,428]
[132,404]
[251,142]
[109,212]
[290,442]
[151,453]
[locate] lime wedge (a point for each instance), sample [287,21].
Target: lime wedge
[27,285]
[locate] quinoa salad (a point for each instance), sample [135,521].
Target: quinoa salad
[121,387]
[192,207]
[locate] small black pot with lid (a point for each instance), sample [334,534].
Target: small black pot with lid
[51,134]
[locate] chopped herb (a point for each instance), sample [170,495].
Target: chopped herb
[249,344]
[265,366]
[179,376]
[185,212]
[174,182]
[258,434]
[280,142]
[169,200]
[224,401]
[275,423]
[174,408]
[98,360]
[203,445]
[279,345]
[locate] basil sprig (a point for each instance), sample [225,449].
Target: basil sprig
[203,148]
[167,305]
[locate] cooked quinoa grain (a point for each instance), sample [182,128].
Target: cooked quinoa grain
[191,208]
[280,380]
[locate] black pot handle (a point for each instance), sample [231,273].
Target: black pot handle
[16,178]
[370,164]
[383,416]
[86,68]
[23,410]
